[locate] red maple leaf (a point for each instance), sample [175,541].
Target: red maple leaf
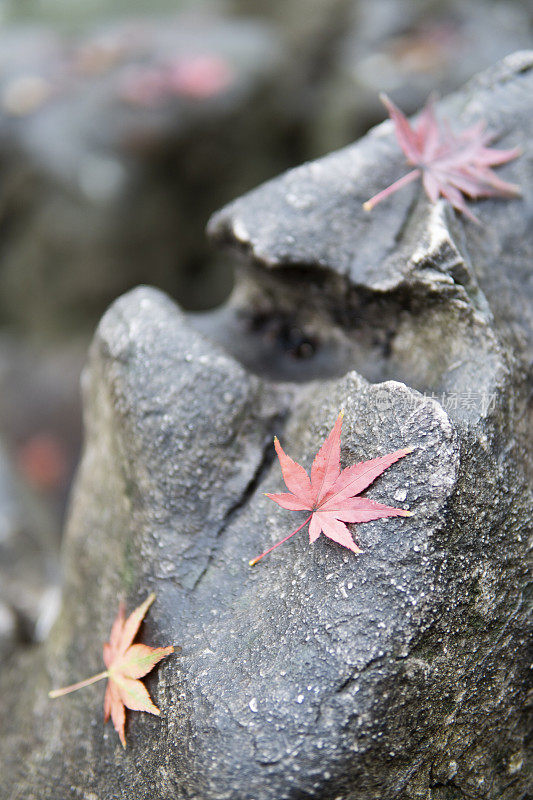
[450,164]
[330,494]
[125,662]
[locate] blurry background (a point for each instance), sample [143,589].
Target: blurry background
[123,126]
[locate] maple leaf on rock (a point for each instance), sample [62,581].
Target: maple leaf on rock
[330,494]
[126,663]
[450,164]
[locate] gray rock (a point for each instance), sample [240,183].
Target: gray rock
[371,277]
[400,673]
[111,169]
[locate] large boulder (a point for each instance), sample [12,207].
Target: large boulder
[399,673]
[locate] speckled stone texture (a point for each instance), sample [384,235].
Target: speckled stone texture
[318,675]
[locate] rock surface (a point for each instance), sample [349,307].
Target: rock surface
[401,673]
[380,281]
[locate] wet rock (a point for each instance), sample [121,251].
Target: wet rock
[317,674]
[116,148]
[416,294]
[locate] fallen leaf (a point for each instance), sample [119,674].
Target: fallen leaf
[451,165]
[330,494]
[125,662]
[198,78]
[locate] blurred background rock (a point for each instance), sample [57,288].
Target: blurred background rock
[123,126]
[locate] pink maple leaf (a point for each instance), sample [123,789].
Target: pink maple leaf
[197,78]
[200,77]
[450,164]
[330,494]
[125,664]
